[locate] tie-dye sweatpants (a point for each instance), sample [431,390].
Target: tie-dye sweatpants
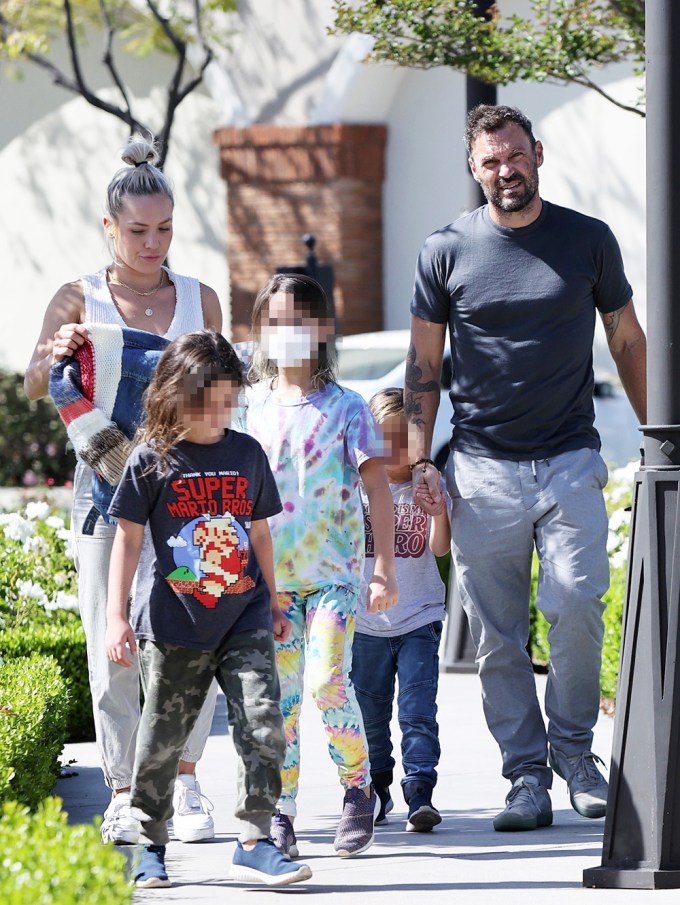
[322,633]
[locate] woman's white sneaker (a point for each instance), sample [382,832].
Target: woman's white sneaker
[119,826]
[191,821]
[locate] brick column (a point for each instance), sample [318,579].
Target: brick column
[284,181]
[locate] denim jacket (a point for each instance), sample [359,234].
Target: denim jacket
[99,393]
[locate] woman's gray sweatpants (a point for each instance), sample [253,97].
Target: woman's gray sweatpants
[502,511]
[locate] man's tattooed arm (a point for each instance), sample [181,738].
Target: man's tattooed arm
[628,346]
[414,388]
[611,322]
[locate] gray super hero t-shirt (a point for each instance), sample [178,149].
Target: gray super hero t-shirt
[205,580]
[521,306]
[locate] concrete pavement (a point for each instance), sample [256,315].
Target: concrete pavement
[463,860]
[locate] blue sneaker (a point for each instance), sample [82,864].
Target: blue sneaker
[148,867]
[266,864]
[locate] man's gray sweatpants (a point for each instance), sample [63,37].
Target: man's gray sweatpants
[502,510]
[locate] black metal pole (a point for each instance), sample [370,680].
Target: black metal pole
[476,93]
[641,847]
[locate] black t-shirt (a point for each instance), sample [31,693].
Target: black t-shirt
[520,305]
[205,580]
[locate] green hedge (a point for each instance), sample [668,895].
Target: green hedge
[33,712]
[32,438]
[66,643]
[43,861]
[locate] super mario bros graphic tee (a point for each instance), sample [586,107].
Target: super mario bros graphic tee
[422,593]
[316,446]
[205,580]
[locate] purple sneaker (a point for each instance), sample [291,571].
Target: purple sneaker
[283,835]
[355,831]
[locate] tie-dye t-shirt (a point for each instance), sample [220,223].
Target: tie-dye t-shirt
[315,447]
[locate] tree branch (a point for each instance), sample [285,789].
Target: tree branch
[177,93]
[81,88]
[176,42]
[108,58]
[588,83]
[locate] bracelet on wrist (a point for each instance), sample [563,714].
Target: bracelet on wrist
[423,461]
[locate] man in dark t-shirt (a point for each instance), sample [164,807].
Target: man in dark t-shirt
[518,283]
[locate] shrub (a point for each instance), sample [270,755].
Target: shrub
[32,438]
[38,602]
[43,861]
[33,708]
[37,574]
[615,599]
[65,642]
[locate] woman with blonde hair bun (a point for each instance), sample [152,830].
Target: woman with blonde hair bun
[101,337]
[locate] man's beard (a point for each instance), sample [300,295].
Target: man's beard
[525,193]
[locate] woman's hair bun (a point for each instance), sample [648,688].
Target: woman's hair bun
[140,150]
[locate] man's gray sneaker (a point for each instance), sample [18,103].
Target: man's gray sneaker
[527,807]
[588,788]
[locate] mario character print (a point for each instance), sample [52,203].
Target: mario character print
[211,558]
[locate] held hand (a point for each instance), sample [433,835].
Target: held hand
[383,593]
[423,498]
[282,626]
[428,475]
[67,340]
[120,637]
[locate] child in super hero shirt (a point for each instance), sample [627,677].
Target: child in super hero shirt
[206,606]
[401,645]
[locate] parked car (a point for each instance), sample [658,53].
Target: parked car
[368,362]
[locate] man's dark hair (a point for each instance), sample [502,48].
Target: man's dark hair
[491,118]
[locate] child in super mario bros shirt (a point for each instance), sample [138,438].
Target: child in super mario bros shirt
[205,605]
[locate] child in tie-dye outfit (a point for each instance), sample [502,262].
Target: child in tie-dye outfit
[320,439]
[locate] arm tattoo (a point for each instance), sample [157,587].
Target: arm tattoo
[611,322]
[414,388]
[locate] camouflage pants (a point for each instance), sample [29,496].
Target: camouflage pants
[176,681]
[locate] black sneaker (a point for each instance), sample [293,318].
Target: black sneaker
[386,804]
[422,816]
[381,783]
[527,807]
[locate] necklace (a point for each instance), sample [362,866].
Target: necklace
[147,311]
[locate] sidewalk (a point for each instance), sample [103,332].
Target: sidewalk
[463,856]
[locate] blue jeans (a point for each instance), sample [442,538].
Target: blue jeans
[501,512]
[413,660]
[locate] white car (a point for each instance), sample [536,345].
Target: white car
[368,362]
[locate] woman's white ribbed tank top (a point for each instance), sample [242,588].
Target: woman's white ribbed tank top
[100,307]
